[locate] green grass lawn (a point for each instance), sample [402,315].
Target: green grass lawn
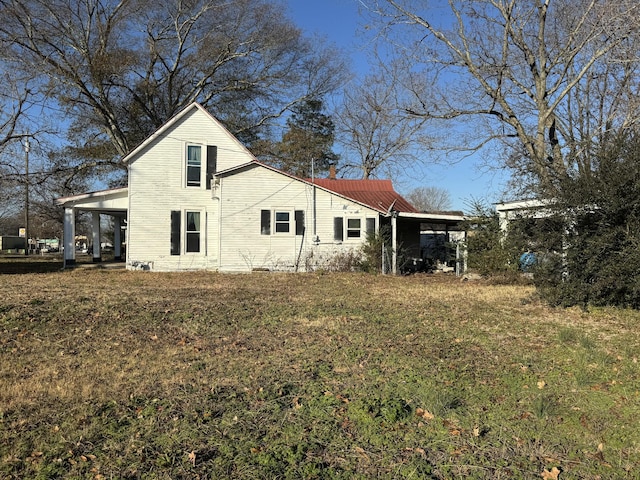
[118,374]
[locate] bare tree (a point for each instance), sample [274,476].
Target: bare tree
[118,69]
[430,199]
[532,72]
[16,127]
[377,135]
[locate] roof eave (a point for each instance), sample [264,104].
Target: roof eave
[432,216]
[90,195]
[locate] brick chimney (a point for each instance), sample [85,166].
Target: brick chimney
[332,172]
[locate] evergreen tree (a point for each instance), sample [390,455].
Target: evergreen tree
[309,137]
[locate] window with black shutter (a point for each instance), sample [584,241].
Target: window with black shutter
[194,165]
[193,231]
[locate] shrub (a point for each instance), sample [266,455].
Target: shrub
[487,251]
[372,251]
[600,260]
[340,261]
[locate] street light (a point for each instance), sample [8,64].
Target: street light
[26,195]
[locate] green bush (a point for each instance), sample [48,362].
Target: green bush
[372,250]
[599,263]
[487,251]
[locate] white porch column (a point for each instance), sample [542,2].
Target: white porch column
[95,233]
[503,220]
[117,240]
[69,236]
[394,243]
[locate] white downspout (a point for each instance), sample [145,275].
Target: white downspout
[216,190]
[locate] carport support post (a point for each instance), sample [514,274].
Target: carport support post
[394,239]
[95,232]
[117,241]
[69,237]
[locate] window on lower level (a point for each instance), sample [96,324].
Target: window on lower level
[193,231]
[282,222]
[353,227]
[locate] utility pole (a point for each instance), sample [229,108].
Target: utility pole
[26,195]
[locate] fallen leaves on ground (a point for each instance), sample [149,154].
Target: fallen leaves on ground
[550,474]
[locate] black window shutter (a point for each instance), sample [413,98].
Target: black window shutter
[371,226]
[299,214]
[175,232]
[338,226]
[265,222]
[212,163]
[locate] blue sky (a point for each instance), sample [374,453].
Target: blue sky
[339,21]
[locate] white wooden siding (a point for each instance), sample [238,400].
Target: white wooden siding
[244,195]
[157,186]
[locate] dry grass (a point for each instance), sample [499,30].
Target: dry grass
[131,374]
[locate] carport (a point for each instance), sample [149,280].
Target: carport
[112,202]
[407,233]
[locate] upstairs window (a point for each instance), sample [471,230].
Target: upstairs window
[194,165]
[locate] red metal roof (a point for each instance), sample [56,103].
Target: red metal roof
[377,194]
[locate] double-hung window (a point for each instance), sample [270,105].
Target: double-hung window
[194,165]
[285,222]
[354,227]
[282,222]
[193,232]
[201,165]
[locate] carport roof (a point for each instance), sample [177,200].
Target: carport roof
[112,200]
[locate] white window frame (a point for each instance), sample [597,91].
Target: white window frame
[349,229]
[186,232]
[275,222]
[201,181]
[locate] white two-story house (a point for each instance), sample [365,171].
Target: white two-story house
[198,199]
